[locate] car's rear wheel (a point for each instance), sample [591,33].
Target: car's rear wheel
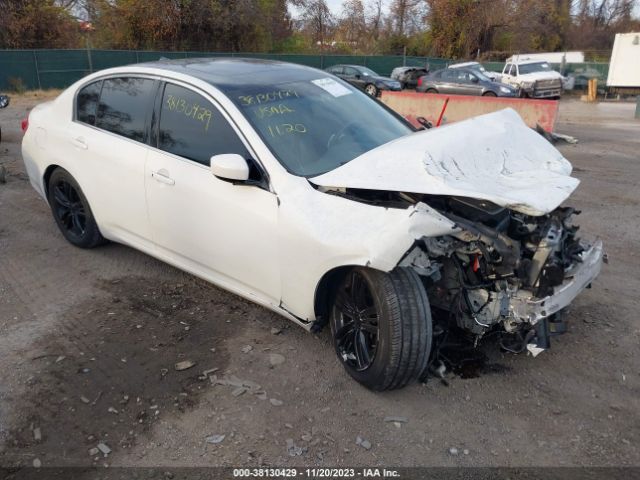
[489,94]
[371,89]
[71,211]
[381,326]
[431,90]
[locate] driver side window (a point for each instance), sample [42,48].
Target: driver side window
[350,72]
[192,128]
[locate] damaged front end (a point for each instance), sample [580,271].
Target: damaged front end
[504,270]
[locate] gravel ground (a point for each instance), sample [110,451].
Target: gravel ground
[90,342]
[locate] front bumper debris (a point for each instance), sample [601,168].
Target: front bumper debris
[529,309]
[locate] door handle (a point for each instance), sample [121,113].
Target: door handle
[80,143]
[162,176]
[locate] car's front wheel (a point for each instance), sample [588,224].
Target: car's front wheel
[381,326]
[489,93]
[71,211]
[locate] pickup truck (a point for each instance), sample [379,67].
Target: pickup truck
[534,78]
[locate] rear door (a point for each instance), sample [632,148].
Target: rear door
[447,82]
[108,138]
[214,228]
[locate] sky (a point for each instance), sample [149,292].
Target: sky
[336,6]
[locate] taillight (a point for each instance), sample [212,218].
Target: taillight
[25,124]
[419,81]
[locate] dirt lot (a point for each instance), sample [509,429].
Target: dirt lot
[89,339]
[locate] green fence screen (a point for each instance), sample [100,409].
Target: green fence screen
[31,69]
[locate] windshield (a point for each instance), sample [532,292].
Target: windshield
[479,72]
[367,72]
[314,126]
[534,67]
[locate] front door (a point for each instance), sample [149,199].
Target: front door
[224,232]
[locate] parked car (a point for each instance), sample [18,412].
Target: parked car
[476,67]
[297,191]
[408,76]
[533,78]
[365,79]
[463,81]
[4,103]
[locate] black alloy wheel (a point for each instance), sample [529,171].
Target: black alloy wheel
[357,323]
[68,209]
[71,211]
[381,326]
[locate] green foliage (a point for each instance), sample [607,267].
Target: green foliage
[447,28]
[16,85]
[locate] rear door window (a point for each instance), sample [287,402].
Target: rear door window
[191,127]
[124,106]
[87,103]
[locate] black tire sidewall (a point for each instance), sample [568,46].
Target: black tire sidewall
[91,236]
[377,376]
[376,370]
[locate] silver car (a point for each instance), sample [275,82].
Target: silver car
[463,81]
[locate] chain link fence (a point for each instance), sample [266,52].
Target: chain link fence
[43,69]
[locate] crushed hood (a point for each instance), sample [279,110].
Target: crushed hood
[493,157]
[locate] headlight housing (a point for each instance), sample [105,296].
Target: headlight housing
[505,90]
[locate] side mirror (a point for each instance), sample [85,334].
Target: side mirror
[4,101]
[474,79]
[357,76]
[230,166]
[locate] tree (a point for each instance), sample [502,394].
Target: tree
[37,24]
[317,20]
[406,16]
[353,24]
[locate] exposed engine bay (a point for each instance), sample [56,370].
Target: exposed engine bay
[502,270]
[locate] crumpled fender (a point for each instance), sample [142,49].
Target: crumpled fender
[332,231]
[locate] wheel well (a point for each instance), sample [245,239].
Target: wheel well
[325,290]
[47,175]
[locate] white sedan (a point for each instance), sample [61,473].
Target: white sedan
[289,187]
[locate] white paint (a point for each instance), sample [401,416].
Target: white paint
[274,245]
[331,86]
[271,246]
[494,157]
[551,57]
[624,69]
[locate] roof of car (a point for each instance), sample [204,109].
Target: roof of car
[463,64]
[413,67]
[347,65]
[236,71]
[525,61]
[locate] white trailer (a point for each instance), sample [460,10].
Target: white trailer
[624,69]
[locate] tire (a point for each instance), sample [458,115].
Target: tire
[391,322]
[431,90]
[71,211]
[489,94]
[371,89]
